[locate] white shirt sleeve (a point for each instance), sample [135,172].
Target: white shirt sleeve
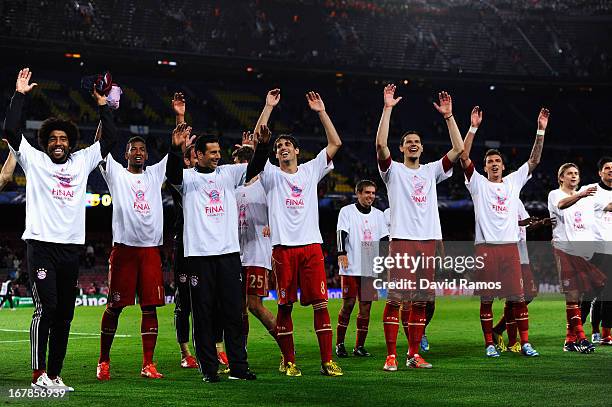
[519,177]
[473,183]
[93,156]
[26,153]
[159,169]
[439,172]
[109,168]
[319,166]
[383,227]
[343,223]
[553,202]
[386,174]
[265,176]
[236,173]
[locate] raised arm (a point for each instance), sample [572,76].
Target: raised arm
[6,174]
[446,110]
[262,150]
[536,151]
[333,139]
[178,105]
[382,135]
[108,134]
[572,199]
[272,99]
[13,113]
[174,167]
[475,120]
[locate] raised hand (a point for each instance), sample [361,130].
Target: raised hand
[263,134]
[273,97]
[23,84]
[446,104]
[476,116]
[190,140]
[99,98]
[543,119]
[389,96]
[315,102]
[178,104]
[180,136]
[248,139]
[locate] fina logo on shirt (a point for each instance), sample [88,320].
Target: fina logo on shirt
[500,205]
[140,201]
[64,185]
[578,223]
[214,206]
[418,185]
[296,200]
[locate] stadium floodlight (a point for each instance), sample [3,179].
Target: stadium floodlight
[492,87]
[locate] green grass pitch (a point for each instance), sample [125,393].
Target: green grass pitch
[461,374]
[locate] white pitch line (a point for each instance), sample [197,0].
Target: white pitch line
[71,333]
[72,339]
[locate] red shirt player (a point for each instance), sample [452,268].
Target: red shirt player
[496,202]
[297,258]
[415,223]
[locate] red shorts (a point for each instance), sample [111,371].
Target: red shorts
[299,266]
[502,265]
[530,286]
[359,287]
[135,270]
[577,274]
[256,280]
[426,271]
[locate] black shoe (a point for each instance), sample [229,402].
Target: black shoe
[341,351]
[211,378]
[586,346]
[571,347]
[361,351]
[248,375]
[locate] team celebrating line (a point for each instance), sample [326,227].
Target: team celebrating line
[239,222]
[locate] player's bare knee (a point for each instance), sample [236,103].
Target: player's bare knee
[347,305]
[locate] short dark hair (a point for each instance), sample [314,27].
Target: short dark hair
[289,137]
[200,144]
[364,183]
[135,139]
[409,132]
[57,123]
[603,161]
[244,154]
[493,151]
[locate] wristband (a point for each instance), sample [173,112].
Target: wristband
[540,132]
[473,129]
[446,118]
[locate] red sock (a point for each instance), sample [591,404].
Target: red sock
[572,311]
[284,332]
[36,374]
[322,326]
[521,316]
[343,321]
[391,325]
[486,321]
[108,327]
[405,315]
[362,330]
[148,331]
[605,332]
[569,334]
[510,323]
[416,327]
